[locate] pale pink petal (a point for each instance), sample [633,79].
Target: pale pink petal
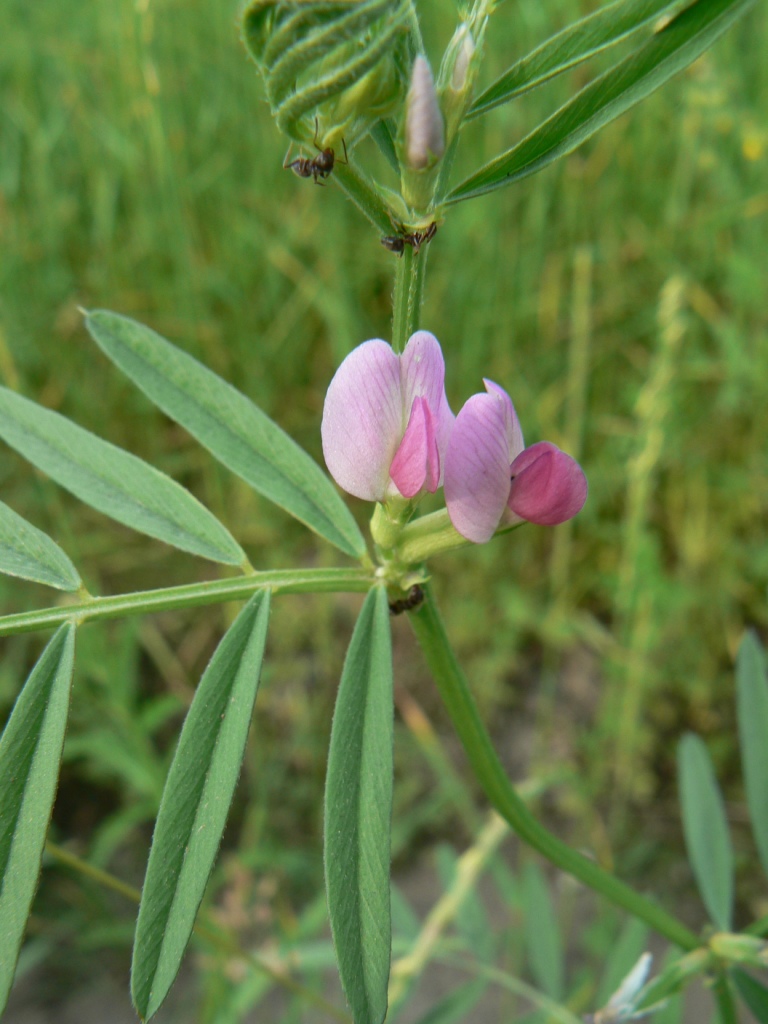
[363,420]
[548,486]
[511,422]
[416,463]
[477,468]
[422,370]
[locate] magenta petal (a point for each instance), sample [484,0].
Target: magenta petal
[422,370]
[477,468]
[416,463]
[511,422]
[363,420]
[548,486]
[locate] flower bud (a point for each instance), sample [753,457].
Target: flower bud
[465,48]
[424,132]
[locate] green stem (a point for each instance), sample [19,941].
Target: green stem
[401,298]
[454,689]
[281,581]
[224,943]
[409,292]
[725,1003]
[363,194]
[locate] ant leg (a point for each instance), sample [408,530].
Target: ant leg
[317,129]
[286,162]
[345,160]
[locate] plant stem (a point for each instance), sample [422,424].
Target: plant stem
[454,689]
[725,1003]
[364,196]
[409,291]
[281,581]
[223,943]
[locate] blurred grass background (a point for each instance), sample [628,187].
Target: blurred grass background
[620,297]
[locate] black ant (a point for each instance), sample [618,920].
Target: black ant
[319,166]
[397,243]
[413,599]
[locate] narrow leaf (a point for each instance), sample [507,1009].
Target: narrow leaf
[195,804]
[706,830]
[670,50]
[542,934]
[229,425]
[29,553]
[586,37]
[754,994]
[358,814]
[111,480]
[752,703]
[30,753]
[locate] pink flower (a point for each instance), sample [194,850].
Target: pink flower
[491,477]
[386,420]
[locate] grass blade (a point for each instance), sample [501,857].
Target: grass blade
[30,753]
[752,706]
[586,37]
[229,425]
[195,803]
[753,993]
[670,50]
[358,814]
[111,480]
[542,934]
[30,554]
[706,830]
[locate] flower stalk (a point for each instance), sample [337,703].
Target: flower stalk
[454,689]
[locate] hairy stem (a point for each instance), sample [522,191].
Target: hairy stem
[282,581]
[408,296]
[454,689]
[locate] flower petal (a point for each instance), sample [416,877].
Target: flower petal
[511,422]
[417,463]
[422,369]
[477,468]
[548,486]
[363,420]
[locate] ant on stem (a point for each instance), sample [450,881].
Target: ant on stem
[316,167]
[397,243]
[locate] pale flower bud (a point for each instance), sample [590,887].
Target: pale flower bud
[424,133]
[466,49]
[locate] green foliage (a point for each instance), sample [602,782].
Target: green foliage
[195,804]
[752,692]
[706,830]
[229,425]
[671,49]
[29,553]
[114,481]
[358,814]
[30,752]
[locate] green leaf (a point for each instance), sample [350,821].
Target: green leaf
[754,994]
[358,814]
[706,830]
[599,30]
[542,934]
[113,481]
[30,753]
[752,704]
[195,804]
[670,50]
[29,553]
[229,425]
